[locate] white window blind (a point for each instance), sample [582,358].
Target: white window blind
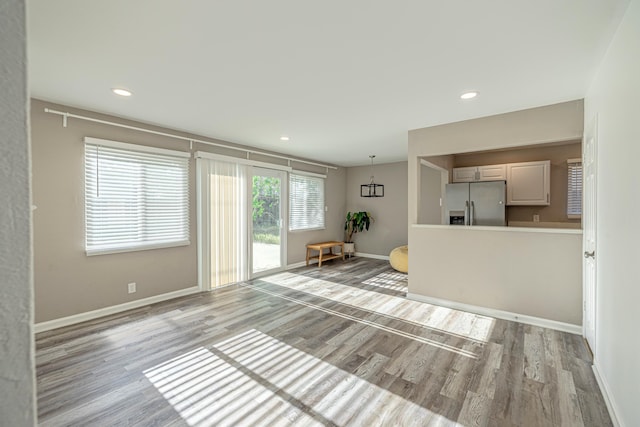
[574,188]
[306,202]
[136,197]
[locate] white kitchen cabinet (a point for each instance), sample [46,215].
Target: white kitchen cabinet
[492,173]
[465,174]
[528,183]
[480,173]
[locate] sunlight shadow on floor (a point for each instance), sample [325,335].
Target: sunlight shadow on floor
[389,280]
[423,340]
[255,379]
[468,325]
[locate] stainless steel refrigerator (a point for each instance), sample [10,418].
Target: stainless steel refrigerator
[476,203]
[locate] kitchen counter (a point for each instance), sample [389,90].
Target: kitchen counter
[542,228]
[570,225]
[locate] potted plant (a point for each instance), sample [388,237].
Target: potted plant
[356,222]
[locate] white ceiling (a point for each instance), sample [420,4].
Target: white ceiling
[343,79]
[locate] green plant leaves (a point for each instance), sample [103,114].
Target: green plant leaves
[356,223]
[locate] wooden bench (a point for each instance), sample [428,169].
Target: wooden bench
[324,256]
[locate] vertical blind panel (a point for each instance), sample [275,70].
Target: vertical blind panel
[306,202]
[134,199]
[574,189]
[229,225]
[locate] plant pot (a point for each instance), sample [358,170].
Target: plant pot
[350,248]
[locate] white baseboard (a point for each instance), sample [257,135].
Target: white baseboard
[315,261]
[385,257]
[606,394]
[300,264]
[101,312]
[499,314]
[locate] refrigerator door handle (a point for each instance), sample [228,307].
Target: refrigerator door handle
[473,208]
[466,213]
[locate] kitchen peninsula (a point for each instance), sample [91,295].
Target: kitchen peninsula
[518,273]
[531,274]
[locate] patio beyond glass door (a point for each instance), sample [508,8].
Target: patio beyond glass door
[267,232]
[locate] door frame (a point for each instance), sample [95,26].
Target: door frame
[203,225]
[203,229]
[444,180]
[590,296]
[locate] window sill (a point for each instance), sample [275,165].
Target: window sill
[307,229]
[146,247]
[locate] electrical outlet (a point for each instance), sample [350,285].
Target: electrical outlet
[132,287]
[536,218]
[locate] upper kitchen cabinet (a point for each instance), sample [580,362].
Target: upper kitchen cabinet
[480,173]
[529,183]
[492,172]
[465,174]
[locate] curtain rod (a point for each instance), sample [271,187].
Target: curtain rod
[66,115]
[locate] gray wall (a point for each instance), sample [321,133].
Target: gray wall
[17,384]
[390,212]
[335,200]
[613,99]
[67,282]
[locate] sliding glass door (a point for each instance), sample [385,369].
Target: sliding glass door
[267,220]
[241,222]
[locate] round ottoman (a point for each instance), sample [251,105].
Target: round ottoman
[399,258]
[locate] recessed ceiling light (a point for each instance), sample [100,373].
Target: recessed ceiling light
[469,95]
[121,92]
[284,138]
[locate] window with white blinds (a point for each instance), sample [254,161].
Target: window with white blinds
[136,197]
[574,188]
[306,202]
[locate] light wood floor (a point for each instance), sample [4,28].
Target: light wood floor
[339,345]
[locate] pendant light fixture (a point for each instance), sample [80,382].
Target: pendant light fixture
[372,189]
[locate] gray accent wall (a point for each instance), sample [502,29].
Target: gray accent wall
[334,198]
[17,377]
[390,212]
[67,282]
